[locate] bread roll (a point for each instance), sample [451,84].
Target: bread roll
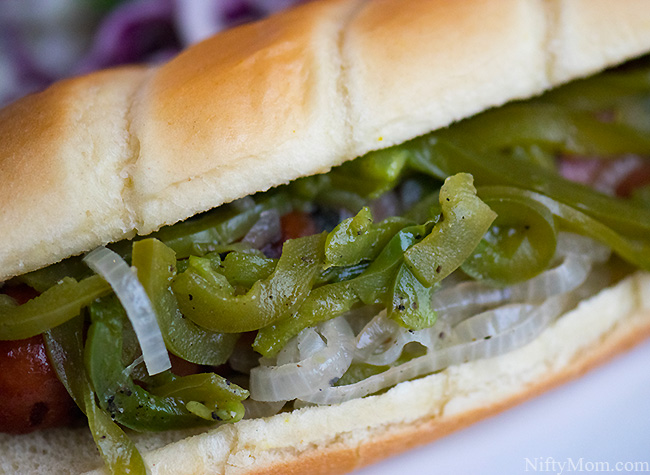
[100,158]
[117,153]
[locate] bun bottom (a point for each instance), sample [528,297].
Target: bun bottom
[602,416]
[342,438]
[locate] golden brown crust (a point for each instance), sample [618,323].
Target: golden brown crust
[63,156]
[457,57]
[588,33]
[262,97]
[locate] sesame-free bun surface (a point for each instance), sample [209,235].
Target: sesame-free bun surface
[103,157]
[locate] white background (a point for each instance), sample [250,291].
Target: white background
[602,417]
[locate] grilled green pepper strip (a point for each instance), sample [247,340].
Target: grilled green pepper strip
[53,307]
[465,220]
[562,129]
[358,239]
[389,282]
[606,92]
[75,267]
[65,350]
[411,304]
[534,154]
[339,274]
[370,177]
[209,300]
[374,286]
[220,396]
[352,184]
[440,158]
[64,345]
[200,235]
[322,304]
[155,263]
[118,451]
[246,268]
[43,279]
[519,245]
[127,403]
[376,283]
[642,195]
[635,251]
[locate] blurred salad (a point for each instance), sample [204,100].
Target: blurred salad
[42,42]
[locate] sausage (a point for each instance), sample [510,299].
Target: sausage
[31,395]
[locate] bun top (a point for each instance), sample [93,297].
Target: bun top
[100,158]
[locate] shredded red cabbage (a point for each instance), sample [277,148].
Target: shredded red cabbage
[90,35]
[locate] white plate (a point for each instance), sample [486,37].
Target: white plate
[596,424]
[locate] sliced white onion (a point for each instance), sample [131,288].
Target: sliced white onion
[244,358]
[577,253]
[309,343]
[523,331]
[382,340]
[358,318]
[475,321]
[293,380]
[135,301]
[375,333]
[457,303]
[289,354]
[490,323]
[581,246]
[266,230]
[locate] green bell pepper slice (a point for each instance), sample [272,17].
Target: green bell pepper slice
[207,298]
[440,158]
[323,303]
[563,129]
[155,263]
[224,225]
[128,403]
[221,397]
[246,268]
[465,220]
[411,302]
[519,245]
[634,251]
[359,239]
[53,307]
[65,350]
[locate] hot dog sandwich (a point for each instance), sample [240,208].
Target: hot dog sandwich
[367,218]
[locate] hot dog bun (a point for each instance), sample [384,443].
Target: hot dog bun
[338,439]
[101,158]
